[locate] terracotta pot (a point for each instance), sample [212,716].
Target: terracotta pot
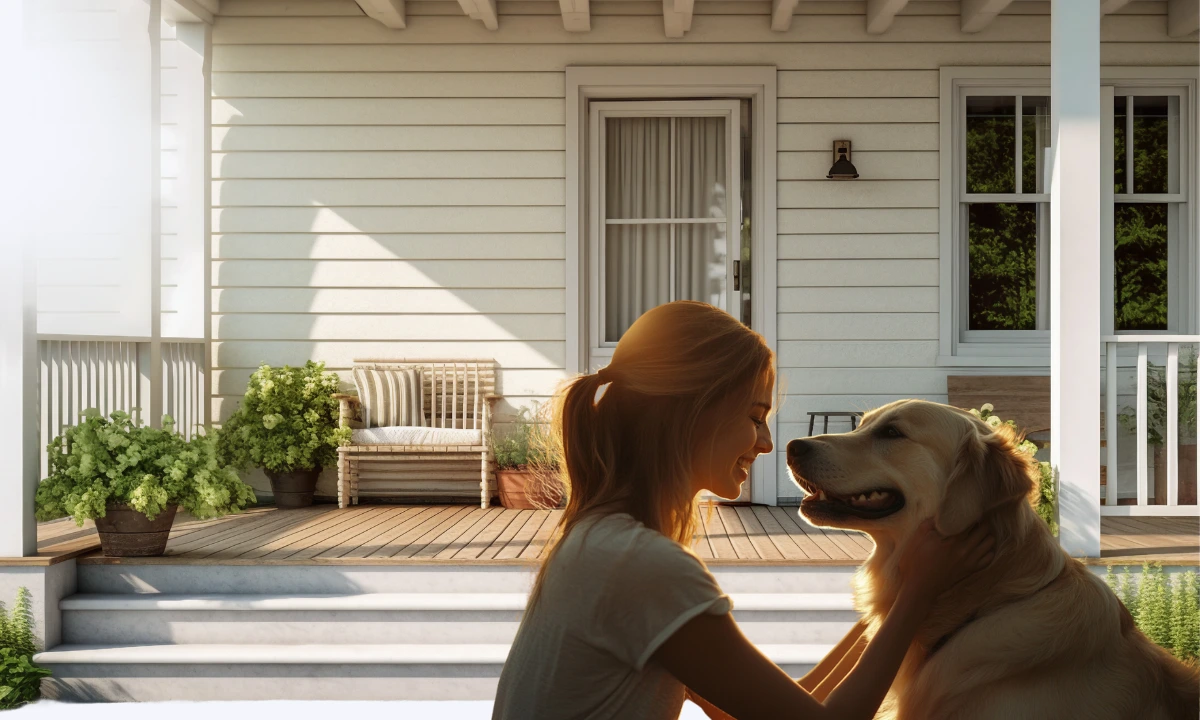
[293,489]
[518,491]
[125,532]
[1186,479]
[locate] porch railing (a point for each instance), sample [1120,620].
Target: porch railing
[1119,357]
[111,374]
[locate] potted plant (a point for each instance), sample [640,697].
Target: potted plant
[527,468]
[1046,500]
[287,424]
[1156,428]
[131,479]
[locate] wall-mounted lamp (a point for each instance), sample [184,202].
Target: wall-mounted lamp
[842,168]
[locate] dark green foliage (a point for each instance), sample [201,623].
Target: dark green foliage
[20,678]
[1156,402]
[1165,608]
[1002,260]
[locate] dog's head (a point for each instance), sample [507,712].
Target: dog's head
[906,462]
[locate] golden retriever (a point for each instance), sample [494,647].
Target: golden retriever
[1036,635]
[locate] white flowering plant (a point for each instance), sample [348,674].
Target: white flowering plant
[115,460]
[287,421]
[1046,502]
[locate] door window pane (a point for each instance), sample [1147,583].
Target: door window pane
[1002,266]
[637,267]
[1140,266]
[1035,142]
[638,168]
[991,144]
[700,167]
[1152,143]
[701,263]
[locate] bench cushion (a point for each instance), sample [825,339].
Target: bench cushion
[409,435]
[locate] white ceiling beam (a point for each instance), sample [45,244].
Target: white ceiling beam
[1108,7]
[1183,17]
[677,17]
[576,15]
[213,6]
[388,12]
[978,14]
[481,10]
[880,14]
[781,14]
[188,11]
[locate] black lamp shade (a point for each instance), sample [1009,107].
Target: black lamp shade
[842,169]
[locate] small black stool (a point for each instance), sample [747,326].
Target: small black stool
[812,419]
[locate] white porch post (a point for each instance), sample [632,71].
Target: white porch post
[1075,271]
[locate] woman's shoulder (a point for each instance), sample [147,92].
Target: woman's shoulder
[620,536]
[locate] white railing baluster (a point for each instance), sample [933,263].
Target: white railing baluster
[1142,480]
[1110,424]
[1172,427]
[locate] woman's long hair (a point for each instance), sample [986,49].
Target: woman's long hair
[629,447]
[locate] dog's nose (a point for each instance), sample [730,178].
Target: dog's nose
[797,449]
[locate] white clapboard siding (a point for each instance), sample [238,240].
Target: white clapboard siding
[386,193]
[389,246]
[364,301]
[397,193]
[432,164]
[231,138]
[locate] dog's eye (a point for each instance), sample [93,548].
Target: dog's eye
[890,432]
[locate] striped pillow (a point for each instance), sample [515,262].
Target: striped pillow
[391,397]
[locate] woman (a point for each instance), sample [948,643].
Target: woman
[624,621]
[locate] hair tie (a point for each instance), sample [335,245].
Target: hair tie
[605,375]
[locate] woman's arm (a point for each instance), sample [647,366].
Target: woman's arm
[710,655]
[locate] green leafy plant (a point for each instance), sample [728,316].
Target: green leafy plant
[527,444]
[20,678]
[1166,608]
[1156,403]
[287,420]
[1046,501]
[113,460]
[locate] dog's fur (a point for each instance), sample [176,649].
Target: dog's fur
[1036,635]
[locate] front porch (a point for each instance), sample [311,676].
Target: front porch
[459,534]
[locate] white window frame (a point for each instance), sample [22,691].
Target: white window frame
[1031,349]
[663,83]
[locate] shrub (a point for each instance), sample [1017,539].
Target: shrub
[112,460]
[527,444]
[1165,608]
[287,420]
[1046,500]
[20,678]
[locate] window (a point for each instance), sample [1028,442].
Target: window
[996,213]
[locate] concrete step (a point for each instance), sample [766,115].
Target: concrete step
[123,673]
[390,618]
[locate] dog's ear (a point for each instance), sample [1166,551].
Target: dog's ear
[988,473]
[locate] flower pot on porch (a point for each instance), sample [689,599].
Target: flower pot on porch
[1186,478]
[520,490]
[125,532]
[293,489]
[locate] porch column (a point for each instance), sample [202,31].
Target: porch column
[1075,270]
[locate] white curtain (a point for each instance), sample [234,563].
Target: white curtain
[639,185]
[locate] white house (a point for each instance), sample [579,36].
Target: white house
[520,179]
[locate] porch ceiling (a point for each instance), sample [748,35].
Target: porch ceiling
[1182,18]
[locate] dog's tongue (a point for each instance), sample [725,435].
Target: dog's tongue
[871,501]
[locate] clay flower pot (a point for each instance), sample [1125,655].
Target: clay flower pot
[520,491]
[293,489]
[125,532]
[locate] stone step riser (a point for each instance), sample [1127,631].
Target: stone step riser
[109,627]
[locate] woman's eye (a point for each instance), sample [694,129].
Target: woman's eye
[758,422]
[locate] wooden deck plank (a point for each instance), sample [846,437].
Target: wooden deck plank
[464,523]
[321,527]
[718,537]
[523,517]
[273,524]
[426,533]
[737,534]
[812,549]
[375,516]
[481,542]
[390,518]
[520,540]
[538,545]
[226,527]
[382,545]
[775,533]
[831,549]
[700,543]
[308,522]
[460,539]
[756,534]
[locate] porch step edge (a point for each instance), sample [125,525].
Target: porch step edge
[403,601]
[331,654]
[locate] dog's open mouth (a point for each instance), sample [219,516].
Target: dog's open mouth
[868,505]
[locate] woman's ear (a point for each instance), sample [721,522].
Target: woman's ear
[988,473]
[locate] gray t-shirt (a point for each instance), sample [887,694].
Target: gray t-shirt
[614,592]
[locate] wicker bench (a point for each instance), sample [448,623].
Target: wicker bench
[448,458]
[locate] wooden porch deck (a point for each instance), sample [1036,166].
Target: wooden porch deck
[405,534]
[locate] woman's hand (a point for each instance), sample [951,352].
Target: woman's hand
[933,563]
